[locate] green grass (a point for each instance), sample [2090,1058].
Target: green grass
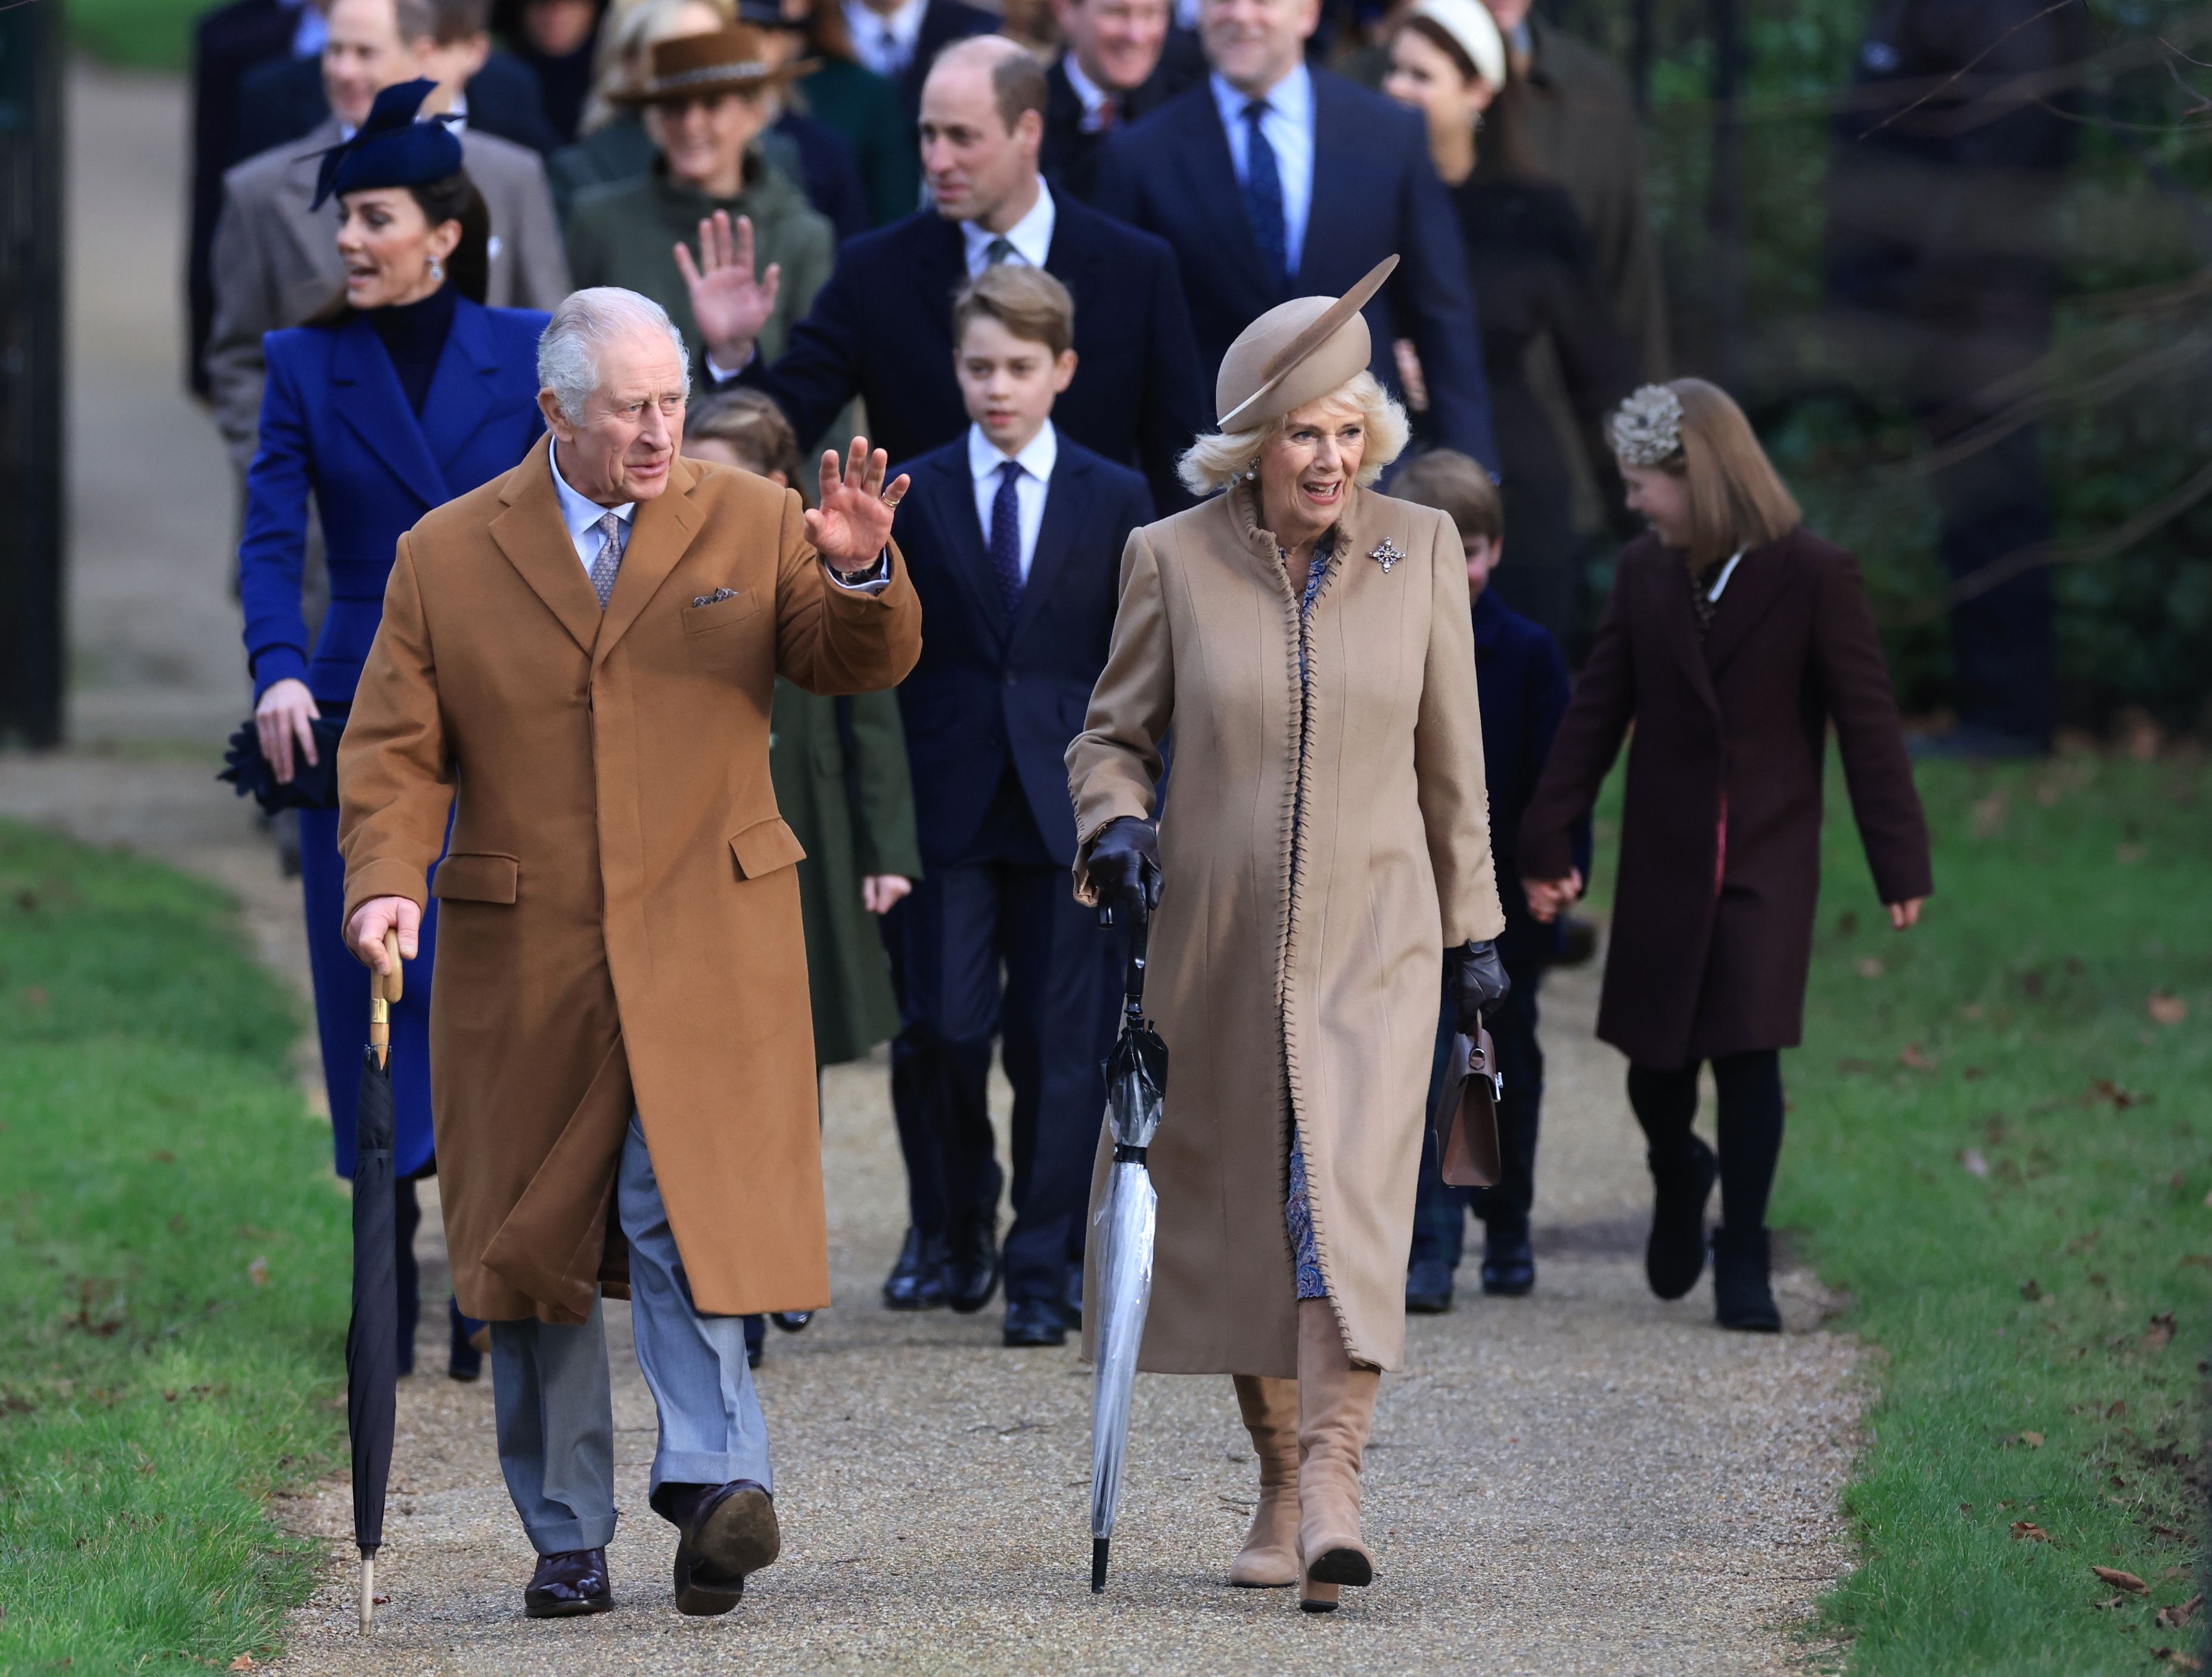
[1999,1150]
[135,34]
[172,1292]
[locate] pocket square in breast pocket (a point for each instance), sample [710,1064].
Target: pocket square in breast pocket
[720,608]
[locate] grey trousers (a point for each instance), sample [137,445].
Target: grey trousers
[551,1400]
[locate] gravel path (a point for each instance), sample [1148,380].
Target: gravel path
[1582,1481]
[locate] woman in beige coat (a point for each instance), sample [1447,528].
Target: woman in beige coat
[1327,848]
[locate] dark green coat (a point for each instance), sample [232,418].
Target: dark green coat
[843,789]
[864,108]
[625,234]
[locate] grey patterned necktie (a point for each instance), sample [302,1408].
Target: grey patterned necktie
[603,568]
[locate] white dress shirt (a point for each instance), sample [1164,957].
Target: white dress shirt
[1035,461]
[1093,96]
[1289,126]
[885,42]
[1031,236]
[582,516]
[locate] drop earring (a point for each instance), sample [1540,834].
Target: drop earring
[437,271]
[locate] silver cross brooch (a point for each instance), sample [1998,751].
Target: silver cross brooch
[1387,555]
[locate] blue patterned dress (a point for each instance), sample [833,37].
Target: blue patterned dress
[1296,1213]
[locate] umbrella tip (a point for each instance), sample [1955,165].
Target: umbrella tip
[1098,1564]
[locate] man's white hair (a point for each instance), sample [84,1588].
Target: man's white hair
[585,322]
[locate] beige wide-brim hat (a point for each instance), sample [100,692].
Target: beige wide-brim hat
[1295,352]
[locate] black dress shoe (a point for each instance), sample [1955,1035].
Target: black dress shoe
[1428,1287]
[570,1583]
[1675,1256]
[1743,1299]
[1509,1263]
[791,1321]
[756,1340]
[971,1265]
[723,1532]
[464,1358]
[1034,1322]
[1070,1298]
[917,1279]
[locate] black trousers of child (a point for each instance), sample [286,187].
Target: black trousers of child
[1749,1090]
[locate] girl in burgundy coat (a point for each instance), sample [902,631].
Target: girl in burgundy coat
[1733,639]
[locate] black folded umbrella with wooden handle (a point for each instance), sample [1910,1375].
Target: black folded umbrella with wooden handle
[372,1337]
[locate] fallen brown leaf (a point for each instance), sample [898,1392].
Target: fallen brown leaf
[2179,1660]
[2032,1440]
[2117,1408]
[2026,1531]
[1867,966]
[2173,1618]
[1914,1058]
[2108,1603]
[243,1662]
[2031,1290]
[2165,1008]
[2119,1580]
[258,1272]
[2159,1334]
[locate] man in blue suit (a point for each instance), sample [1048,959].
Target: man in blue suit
[1272,180]
[881,328]
[1013,536]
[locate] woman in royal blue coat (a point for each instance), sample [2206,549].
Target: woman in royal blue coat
[402,394]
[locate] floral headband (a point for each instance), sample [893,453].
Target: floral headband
[1647,428]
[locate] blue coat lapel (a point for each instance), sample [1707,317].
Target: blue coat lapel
[951,503]
[1067,499]
[463,387]
[1337,187]
[370,400]
[1210,171]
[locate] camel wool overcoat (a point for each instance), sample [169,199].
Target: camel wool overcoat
[619,922]
[1325,838]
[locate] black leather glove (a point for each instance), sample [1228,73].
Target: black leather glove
[1124,869]
[1481,980]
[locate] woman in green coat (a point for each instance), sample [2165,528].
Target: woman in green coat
[709,100]
[840,771]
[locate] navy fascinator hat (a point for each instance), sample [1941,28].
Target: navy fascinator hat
[391,149]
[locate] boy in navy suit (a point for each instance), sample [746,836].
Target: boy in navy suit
[1013,538]
[1523,682]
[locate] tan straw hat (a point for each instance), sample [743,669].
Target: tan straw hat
[1297,352]
[733,60]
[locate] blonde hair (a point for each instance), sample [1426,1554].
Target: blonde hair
[1219,458]
[628,30]
[1737,499]
[751,424]
[1457,485]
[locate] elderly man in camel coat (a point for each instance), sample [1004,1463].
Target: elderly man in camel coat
[576,661]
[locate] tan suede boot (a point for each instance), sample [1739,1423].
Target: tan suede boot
[1269,1558]
[1336,1407]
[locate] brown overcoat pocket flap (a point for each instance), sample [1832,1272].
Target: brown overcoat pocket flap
[479,877]
[765,846]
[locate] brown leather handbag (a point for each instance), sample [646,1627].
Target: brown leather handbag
[1466,1116]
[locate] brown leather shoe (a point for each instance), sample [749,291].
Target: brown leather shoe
[1336,1408]
[723,1532]
[1269,1558]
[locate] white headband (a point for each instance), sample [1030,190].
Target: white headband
[1470,24]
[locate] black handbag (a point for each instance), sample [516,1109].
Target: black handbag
[1465,1120]
[313,786]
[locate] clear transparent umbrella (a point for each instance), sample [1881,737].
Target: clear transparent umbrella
[1121,1238]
